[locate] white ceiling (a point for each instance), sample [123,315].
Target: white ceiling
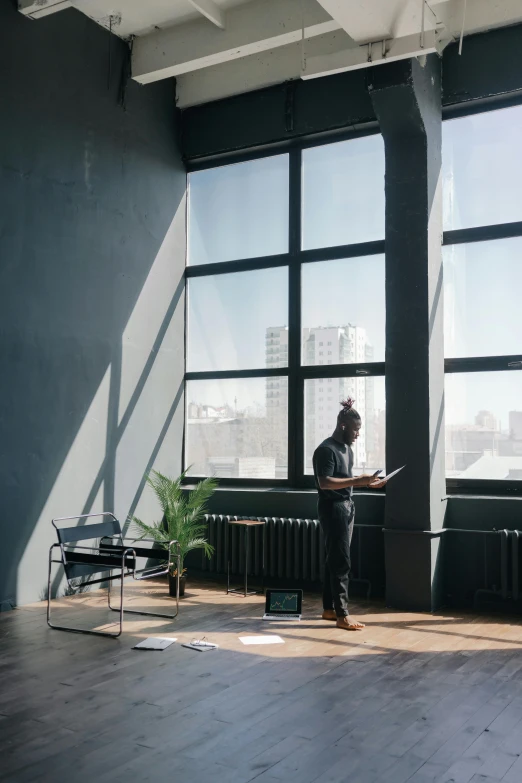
[217,48]
[140,17]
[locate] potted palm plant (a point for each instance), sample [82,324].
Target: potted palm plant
[183,513]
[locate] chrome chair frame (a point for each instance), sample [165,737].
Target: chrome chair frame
[106,556]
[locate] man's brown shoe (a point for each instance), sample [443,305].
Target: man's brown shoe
[349,624]
[329,614]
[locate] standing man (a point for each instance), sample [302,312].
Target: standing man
[333,471]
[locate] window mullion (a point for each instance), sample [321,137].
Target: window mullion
[464,236]
[295,388]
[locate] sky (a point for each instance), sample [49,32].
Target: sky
[228,316]
[482,298]
[241,211]
[468,393]
[238,211]
[481,156]
[343,193]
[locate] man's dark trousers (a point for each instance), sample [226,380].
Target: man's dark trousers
[337,520]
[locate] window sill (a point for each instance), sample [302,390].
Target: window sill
[281,490]
[454,488]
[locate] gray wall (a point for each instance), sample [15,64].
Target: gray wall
[92,246]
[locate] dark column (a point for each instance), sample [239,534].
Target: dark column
[407,100]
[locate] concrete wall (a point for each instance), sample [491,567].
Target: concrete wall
[92,250]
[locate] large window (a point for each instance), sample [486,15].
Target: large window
[482,296]
[285,310]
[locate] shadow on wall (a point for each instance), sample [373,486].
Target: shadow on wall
[92,241]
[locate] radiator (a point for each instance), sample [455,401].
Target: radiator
[285,548]
[509,587]
[291,548]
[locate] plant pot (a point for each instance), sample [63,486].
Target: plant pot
[172,585]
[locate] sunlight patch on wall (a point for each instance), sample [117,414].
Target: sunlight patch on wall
[69,493]
[154,305]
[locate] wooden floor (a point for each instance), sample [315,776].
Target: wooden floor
[415,697]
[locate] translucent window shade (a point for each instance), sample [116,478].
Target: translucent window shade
[482,169]
[343,193]
[484,425]
[238,211]
[482,312]
[322,408]
[343,307]
[238,321]
[237,428]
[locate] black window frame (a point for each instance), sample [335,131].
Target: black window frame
[504,363]
[296,373]
[293,259]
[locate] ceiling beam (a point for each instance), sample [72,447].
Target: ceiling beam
[363,20]
[374,20]
[36,9]
[258,70]
[373,54]
[410,19]
[211,11]
[250,29]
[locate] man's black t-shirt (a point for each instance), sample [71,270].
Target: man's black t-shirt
[334,459]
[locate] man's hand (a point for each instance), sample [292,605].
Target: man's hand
[377,483]
[365,480]
[370,481]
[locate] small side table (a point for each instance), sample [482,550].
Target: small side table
[247,524]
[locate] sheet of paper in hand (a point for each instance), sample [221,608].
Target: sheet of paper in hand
[390,475]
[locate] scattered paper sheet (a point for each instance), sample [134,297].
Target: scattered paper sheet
[154,643]
[261,640]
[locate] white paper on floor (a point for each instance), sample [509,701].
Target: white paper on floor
[261,640]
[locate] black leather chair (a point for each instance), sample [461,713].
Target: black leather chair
[112,557]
